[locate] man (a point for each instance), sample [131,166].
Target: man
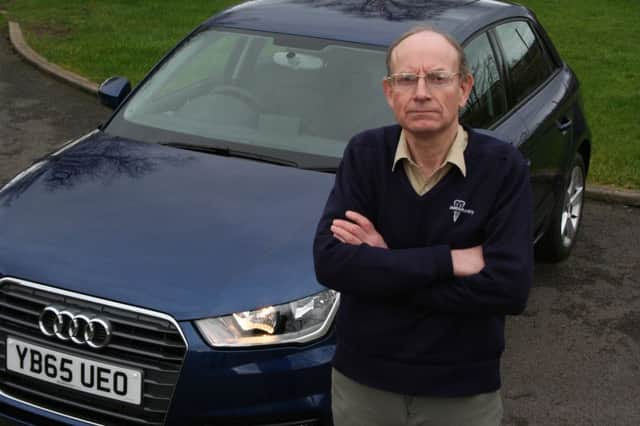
[427,235]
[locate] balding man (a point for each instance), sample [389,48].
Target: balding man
[427,234]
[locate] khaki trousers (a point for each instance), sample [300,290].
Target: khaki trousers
[354,404]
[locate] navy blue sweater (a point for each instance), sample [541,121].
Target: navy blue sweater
[405,323]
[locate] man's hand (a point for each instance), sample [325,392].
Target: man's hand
[357,230]
[467,261]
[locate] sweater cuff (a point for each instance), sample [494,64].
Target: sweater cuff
[444,263]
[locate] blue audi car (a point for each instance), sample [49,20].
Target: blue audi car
[158,270]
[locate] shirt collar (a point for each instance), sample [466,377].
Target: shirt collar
[455,155]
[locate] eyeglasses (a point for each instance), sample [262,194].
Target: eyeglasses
[409,80]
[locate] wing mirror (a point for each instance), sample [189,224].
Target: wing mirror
[113,90]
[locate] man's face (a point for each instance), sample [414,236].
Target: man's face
[426,109]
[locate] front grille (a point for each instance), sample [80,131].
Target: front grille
[140,340]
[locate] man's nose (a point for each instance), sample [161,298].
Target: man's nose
[422,91]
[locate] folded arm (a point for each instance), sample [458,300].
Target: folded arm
[352,257]
[503,285]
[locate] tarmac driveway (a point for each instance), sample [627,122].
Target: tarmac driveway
[573,357]
[37,113]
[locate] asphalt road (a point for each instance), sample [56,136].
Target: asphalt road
[37,113]
[573,357]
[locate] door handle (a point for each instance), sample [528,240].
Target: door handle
[564,124]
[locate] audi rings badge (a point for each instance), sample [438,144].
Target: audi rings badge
[79,327]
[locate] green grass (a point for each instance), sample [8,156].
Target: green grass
[99,39]
[600,40]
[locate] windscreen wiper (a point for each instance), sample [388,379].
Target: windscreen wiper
[322,169]
[228,152]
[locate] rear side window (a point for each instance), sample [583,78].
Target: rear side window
[487,101]
[524,57]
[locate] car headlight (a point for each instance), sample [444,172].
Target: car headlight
[295,322]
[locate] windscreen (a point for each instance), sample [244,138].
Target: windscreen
[261,90]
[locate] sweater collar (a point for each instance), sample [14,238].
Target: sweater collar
[455,155]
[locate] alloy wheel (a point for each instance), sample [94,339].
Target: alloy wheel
[572,208]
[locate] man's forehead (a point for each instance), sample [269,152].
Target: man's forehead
[416,46]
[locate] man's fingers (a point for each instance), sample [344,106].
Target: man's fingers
[359,219]
[352,228]
[358,229]
[467,261]
[339,238]
[344,235]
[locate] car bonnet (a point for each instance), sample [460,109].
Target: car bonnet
[181,232]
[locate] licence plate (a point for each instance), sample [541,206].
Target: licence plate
[85,375]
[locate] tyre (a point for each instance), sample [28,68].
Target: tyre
[560,236]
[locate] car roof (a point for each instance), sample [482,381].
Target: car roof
[375,22]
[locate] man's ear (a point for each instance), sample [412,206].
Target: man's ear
[466,84]
[388,92]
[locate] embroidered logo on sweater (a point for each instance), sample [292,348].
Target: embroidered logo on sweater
[458,208]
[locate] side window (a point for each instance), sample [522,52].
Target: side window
[524,56]
[487,101]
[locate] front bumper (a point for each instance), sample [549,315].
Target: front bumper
[287,385]
[253,387]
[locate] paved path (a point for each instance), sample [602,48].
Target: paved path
[37,113]
[573,358]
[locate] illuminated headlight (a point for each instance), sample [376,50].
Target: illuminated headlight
[295,322]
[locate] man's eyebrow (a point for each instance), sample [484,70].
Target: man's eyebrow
[439,69]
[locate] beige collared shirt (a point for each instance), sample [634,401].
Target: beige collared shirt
[421,184]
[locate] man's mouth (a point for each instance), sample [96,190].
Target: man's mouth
[423,111]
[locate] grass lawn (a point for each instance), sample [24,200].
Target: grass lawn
[99,39]
[601,42]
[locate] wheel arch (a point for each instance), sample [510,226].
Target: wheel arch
[584,149]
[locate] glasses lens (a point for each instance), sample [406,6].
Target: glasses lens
[405,79]
[410,80]
[439,78]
